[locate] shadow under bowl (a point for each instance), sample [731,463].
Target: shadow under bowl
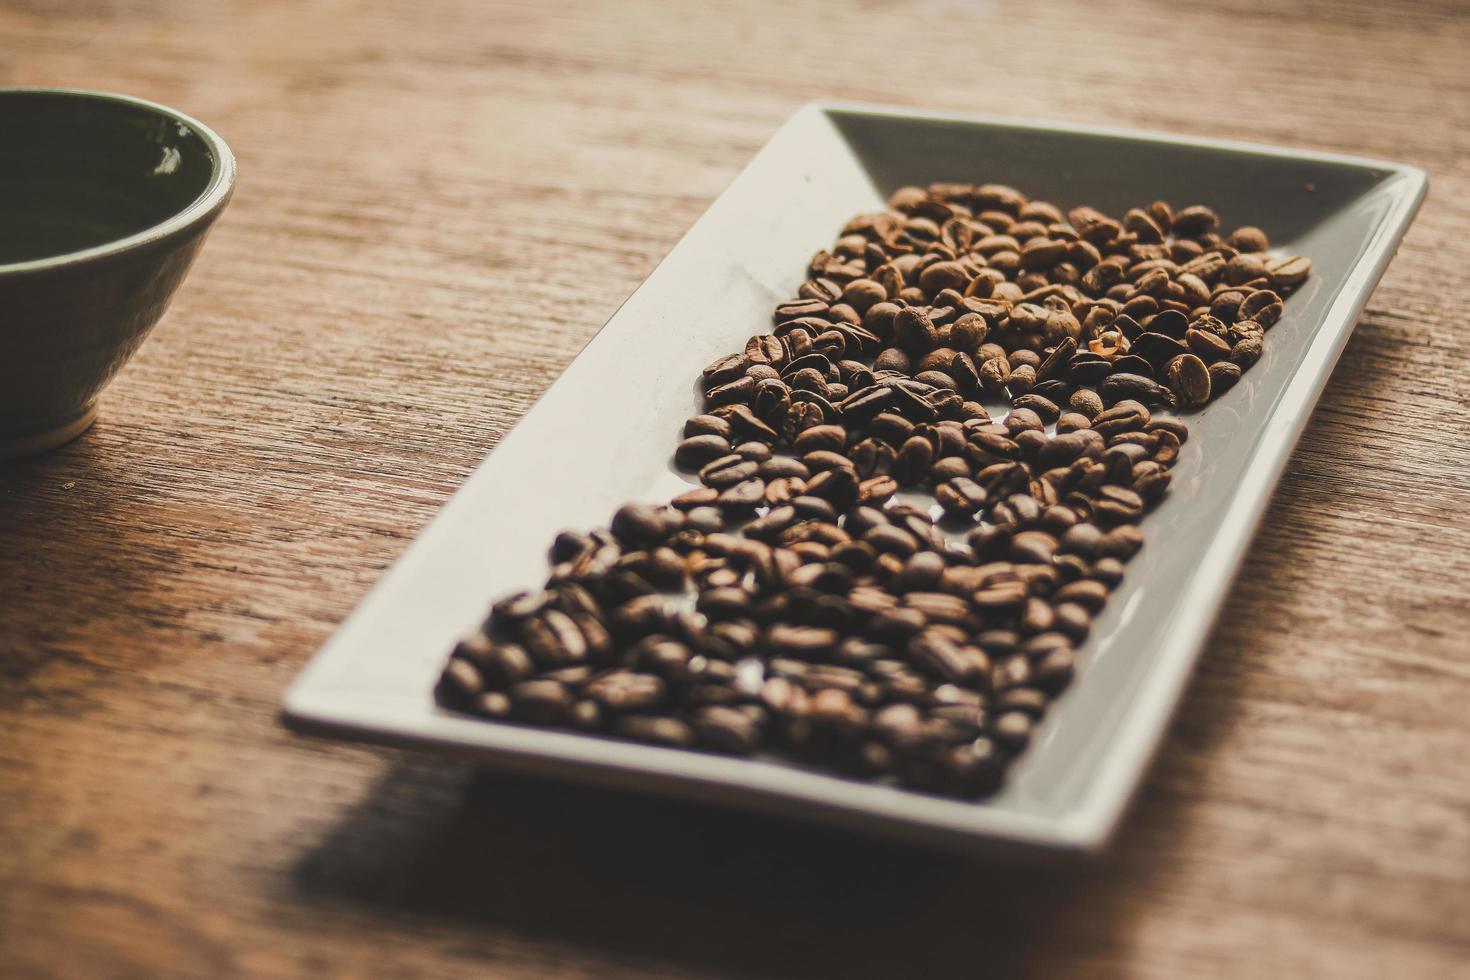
[106,200]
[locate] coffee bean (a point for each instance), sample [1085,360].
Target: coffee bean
[543,702]
[1119,387]
[1249,239]
[727,471]
[727,729]
[1206,345]
[1001,595]
[1223,376]
[1012,728]
[914,330]
[738,391]
[961,496]
[639,525]
[746,425]
[1086,403]
[697,497]
[1246,351]
[864,404]
[1288,271]
[459,685]
[876,489]
[513,610]
[1189,379]
[505,664]
[696,451]
[707,425]
[800,641]
[742,498]
[623,690]
[936,654]
[553,639]
[1116,505]
[832,438]
[1158,349]
[658,730]
[1194,221]
[1044,408]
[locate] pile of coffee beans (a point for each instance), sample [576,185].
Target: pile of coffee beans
[915,494]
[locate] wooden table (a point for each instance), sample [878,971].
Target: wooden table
[439,203]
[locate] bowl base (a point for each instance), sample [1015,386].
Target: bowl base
[35,443]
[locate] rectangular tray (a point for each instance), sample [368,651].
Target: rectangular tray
[616,413]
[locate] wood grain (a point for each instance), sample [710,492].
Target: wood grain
[439,203]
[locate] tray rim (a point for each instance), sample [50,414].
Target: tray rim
[1087,827]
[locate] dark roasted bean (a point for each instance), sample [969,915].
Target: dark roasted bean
[657,730]
[727,729]
[544,702]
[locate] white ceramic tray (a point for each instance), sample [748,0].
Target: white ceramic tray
[617,411]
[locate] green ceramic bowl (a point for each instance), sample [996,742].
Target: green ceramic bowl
[104,202]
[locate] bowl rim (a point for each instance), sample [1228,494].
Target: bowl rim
[204,207]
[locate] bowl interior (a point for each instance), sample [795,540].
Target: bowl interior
[78,171]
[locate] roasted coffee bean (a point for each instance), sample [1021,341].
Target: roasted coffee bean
[1288,271]
[936,654]
[639,525]
[1246,351]
[725,369]
[938,607]
[1189,379]
[1249,239]
[961,496]
[459,685]
[1001,595]
[1012,728]
[1086,403]
[727,729]
[914,459]
[515,609]
[696,451]
[922,571]
[914,331]
[1208,346]
[553,639]
[1133,364]
[657,730]
[1035,547]
[832,438]
[707,425]
[745,425]
[742,498]
[1119,387]
[887,539]
[505,664]
[1223,376]
[727,471]
[1045,409]
[624,690]
[876,489]
[698,497]
[1158,349]
[543,702]
[800,641]
[864,404]
[950,468]
[1194,221]
[569,545]
[1174,427]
